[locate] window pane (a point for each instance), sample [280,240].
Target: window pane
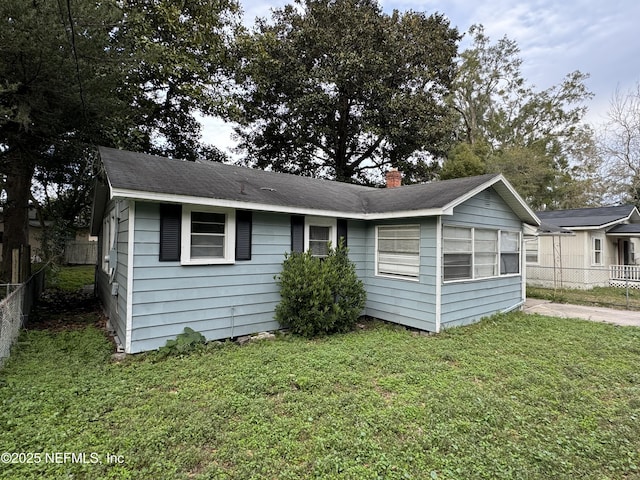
[457,266]
[399,245]
[207,217]
[509,242]
[509,253]
[207,252]
[210,240]
[319,238]
[319,233]
[457,232]
[399,250]
[207,235]
[486,253]
[509,263]
[531,245]
[457,239]
[319,249]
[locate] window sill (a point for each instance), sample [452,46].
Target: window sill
[398,277]
[208,261]
[496,277]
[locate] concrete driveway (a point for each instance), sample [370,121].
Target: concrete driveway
[596,314]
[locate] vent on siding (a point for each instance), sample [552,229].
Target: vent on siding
[487,198]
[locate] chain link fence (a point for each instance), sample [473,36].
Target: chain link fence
[617,286]
[15,308]
[568,277]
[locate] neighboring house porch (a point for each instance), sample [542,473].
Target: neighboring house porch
[585,248]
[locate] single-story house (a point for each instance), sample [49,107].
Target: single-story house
[585,248]
[198,244]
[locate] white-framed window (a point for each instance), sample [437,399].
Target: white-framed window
[597,247]
[398,251]
[485,251]
[320,232]
[208,235]
[457,248]
[108,240]
[532,248]
[509,253]
[471,253]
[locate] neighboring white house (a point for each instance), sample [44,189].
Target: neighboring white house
[585,248]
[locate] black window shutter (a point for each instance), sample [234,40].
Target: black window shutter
[342,230]
[297,233]
[170,232]
[243,234]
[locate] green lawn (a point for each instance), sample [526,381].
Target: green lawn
[513,397]
[70,278]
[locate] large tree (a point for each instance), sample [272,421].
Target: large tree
[619,145]
[536,137]
[119,73]
[52,93]
[340,89]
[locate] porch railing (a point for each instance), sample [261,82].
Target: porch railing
[625,272]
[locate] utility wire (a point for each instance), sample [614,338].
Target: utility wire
[72,40]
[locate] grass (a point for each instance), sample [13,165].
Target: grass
[598,296]
[70,278]
[515,396]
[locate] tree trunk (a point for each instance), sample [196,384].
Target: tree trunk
[16,210]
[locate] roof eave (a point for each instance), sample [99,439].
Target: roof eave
[223,203]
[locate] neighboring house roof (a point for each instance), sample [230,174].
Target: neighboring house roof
[550,229]
[590,218]
[630,229]
[154,178]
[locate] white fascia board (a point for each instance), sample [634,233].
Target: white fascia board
[623,234]
[222,203]
[597,227]
[428,212]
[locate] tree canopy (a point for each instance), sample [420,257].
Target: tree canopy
[619,146]
[119,73]
[342,90]
[536,138]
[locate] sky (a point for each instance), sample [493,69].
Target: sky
[555,37]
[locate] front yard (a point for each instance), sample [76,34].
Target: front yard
[516,396]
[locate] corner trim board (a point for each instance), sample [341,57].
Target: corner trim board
[129,306]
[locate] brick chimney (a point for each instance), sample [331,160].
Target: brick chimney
[394,178]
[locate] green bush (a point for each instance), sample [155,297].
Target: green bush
[186,342]
[319,296]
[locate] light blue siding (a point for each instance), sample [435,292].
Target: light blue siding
[466,302]
[219,301]
[115,306]
[407,302]
[223,301]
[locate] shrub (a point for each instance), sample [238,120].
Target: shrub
[186,342]
[319,296]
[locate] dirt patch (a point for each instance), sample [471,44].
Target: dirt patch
[59,310]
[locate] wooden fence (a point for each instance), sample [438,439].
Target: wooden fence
[81,253]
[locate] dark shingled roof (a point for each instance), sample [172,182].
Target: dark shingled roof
[148,173]
[586,217]
[629,229]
